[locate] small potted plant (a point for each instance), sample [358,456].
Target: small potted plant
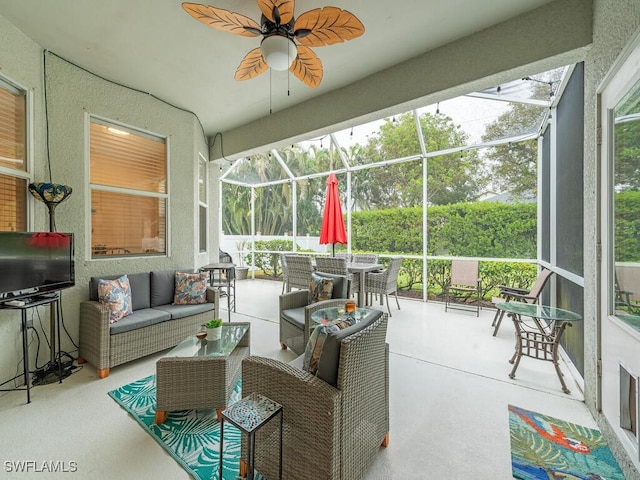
[214,329]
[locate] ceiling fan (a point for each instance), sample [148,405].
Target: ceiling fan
[286,39]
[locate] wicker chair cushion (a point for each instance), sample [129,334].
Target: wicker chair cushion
[294,316]
[116,296]
[140,289]
[314,350]
[330,358]
[320,288]
[190,288]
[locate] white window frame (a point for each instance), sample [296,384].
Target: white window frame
[202,162]
[89,118]
[27,173]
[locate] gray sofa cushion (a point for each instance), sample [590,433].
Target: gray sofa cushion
[180,311]
[140,288]
[163,286]
[340,284]
[139,319]
[330,358]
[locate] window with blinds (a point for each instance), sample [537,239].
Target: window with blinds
[203,207]
[13,158]
[128,178]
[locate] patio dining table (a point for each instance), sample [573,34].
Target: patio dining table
[362,269]
[539,339]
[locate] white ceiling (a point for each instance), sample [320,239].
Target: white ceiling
[156,47]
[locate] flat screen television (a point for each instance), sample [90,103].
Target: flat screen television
[35,263]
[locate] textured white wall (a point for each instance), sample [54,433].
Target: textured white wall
[615,24]
[72,93]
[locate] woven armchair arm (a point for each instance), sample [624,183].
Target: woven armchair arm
[312,415]
[94,334]
[295,299]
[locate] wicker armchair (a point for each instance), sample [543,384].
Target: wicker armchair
[385,282]
[295,312]
[330,432]
[338,266]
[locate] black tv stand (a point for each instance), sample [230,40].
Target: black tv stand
[54,370]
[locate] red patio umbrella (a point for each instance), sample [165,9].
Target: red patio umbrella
[332,230]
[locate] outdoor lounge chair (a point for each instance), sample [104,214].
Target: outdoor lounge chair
[521,294]
[464,283]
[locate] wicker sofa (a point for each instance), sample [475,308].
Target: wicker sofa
[155,324]
[334,421]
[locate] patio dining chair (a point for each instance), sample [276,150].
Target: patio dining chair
[385,282]
[285,272]
[338,266]
[364,258]
[299,268]
[463,284]
[521,294]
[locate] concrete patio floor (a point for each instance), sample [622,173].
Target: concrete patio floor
[449,394]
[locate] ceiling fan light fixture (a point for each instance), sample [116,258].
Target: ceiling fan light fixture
[278,51]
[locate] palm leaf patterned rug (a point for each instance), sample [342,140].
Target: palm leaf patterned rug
[544,448]
[191,437]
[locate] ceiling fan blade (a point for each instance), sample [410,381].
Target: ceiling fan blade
[307,67]
[223,20]
[326,26]
[277,11]
[251,66]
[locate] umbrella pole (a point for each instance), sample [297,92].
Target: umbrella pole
[333,245]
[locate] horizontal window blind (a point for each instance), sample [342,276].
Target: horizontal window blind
[127,160]
[124,224]
[13,131]
[13,204]
[134,221]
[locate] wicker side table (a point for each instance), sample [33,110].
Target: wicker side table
[249,415]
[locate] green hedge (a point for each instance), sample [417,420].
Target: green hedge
[482,229]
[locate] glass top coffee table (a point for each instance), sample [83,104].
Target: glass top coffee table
[325,315]
[201,374]
[230,337]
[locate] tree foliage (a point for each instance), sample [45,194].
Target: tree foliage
[451,178]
